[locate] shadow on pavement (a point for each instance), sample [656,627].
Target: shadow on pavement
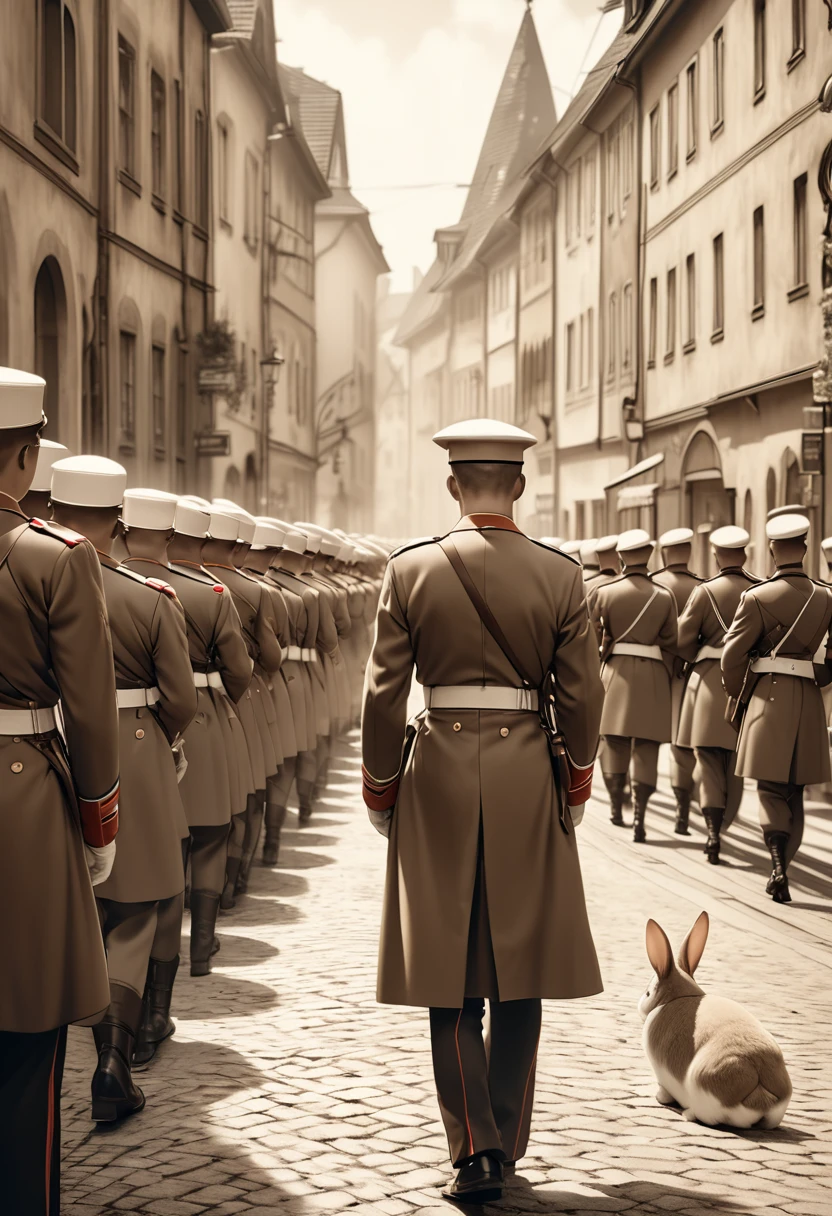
[296,859]
[225,996]
[549,1198]
[239,951]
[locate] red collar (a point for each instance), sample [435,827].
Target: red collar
[481,519]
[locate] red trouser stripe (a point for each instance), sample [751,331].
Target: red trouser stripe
[50,1123]
[525,1099]
[464,1091]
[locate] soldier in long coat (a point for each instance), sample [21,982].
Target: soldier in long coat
[58,806]
[608,567]
[635,620]
[483,898]
[777,654]
[676,575]
[156,700]
[703,626]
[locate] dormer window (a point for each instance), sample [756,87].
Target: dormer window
[634,10]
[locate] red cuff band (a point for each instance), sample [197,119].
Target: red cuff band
[379,796]
[99,819]
[580,785]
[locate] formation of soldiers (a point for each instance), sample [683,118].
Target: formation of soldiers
[171,670]
[726,670]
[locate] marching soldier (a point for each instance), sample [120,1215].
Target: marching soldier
[703,626]
[635,620]
[588,553]
[36,502]
[608,567]
[483,899]
[58,806]
[156,701]
[783,742]
[572,548]
[676,549]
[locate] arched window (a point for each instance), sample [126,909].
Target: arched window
[231,484]
[59,72]
[250,486]
[794,492]
[771,490]
[50,323]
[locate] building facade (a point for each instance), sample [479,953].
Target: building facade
[393,504]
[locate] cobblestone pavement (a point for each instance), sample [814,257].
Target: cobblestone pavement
[287,1089]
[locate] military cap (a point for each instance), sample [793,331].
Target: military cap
[191,520]
[589,549]
[311,540]
[195,501]
[48,453]
[790,508]
[88,481]
[676,536]
[329,542]
[484,440]
[826,545]
[347,552]
[151,509]
[221,525]
[21,399]
[245,522]
[267,535]
[606,544]
[572,547]
[555,541]
[729,537]
[634,538]
[787,527]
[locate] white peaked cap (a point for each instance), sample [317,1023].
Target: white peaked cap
[347,552]
[267,535]
[88,481]
[606,544]
[48,453]
[245,522]
[826,544]
[293,539]
[635,538]
[21,398]
[194,500]
[484,439]
[787,527]
[310,535]
[191,520]
[330,543]
[151,509]
[571,547]
[555,541]
[221,525]
[729,537]
[278,526]
[588,549]
[676,536]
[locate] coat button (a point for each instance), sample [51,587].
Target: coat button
[457,726]
[139,734]
[17,767]
[504,731]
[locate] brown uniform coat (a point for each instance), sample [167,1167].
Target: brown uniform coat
[637,704]
[313,640]
[150,650]
[295,671]
[493,772]
[682,583]
[278,683]
[336,601]
[783,735]
[702,719]
[54,644]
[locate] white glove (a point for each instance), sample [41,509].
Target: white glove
[179,759]
[577,813]
[100,862]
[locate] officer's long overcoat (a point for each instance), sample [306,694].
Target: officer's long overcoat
[681,583]
[491,768]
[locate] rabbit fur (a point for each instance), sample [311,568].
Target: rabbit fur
[709,1054]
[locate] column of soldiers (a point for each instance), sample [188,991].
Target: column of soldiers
[171,670]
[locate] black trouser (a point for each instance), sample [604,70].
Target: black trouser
[781,810]
[31,1072]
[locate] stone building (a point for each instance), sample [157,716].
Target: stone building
[394,493]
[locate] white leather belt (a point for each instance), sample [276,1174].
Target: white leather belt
[208,679]
[135,698]
[479,696]
[308,655]
[708,652]
[786,667]
[637,650]
[27,721]
[294,653]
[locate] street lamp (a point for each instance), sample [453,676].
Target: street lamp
[633,426]
[272,367]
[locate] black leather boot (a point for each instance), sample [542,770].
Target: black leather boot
[232,869]
[275,818]
[254,824]
[156,1024]
[615,788]
[478,1180]
[114,1095]
[204,908]
[641,796]
[682,811]
[713,816]
[778,885]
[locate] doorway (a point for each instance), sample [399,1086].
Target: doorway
[50,328]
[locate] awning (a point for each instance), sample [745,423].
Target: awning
[643,466]
[637,496]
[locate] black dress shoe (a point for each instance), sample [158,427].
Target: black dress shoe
[479,1180]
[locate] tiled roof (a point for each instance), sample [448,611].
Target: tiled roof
[243,14]
[316,107]
[425,304]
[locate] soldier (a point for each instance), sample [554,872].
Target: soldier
[703,624]
[676,549]
[36,502]
[572,548]
[483,898]
[608,567]
[588,553]
[783,740]
[156,701]
[635,620]
[58,806]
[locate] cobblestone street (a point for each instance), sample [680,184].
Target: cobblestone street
[287,1089]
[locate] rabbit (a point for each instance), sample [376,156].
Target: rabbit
[710,1055]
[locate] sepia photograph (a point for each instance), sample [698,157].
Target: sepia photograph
[415,570]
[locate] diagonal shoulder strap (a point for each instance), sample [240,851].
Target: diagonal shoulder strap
[633,624]
[715,607]
[448,547]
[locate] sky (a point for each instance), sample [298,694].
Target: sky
[419,79]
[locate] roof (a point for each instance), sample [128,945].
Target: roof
[213,14]
[243,15]
[317,107]
[424,306]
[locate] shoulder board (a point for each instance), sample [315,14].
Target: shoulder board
[619,578]
[162,587]
[128,573]
[661,570]
[70,538]
[552,549]
[414,544]
[197,576]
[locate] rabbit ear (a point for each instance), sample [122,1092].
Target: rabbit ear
[694,944]
[658,950]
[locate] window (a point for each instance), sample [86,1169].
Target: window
[58,67]
[252,177]
[590,344]
[719,288]
[670,336]
[582,359]
[654,323]
[690,293]
[576,209]
[157,358]
[627,328]
[693,109]
[627,160]
[800,271]
[126,106]
[570,356]
[654,148]
[591,186]
[672,129]
[181,402]
[798,32]
[157,135]
[222,172]
[612,325]
[611,182]
[127,400]
[200,171]
[177,147]
[759,264]
[718,68]
[759,49]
